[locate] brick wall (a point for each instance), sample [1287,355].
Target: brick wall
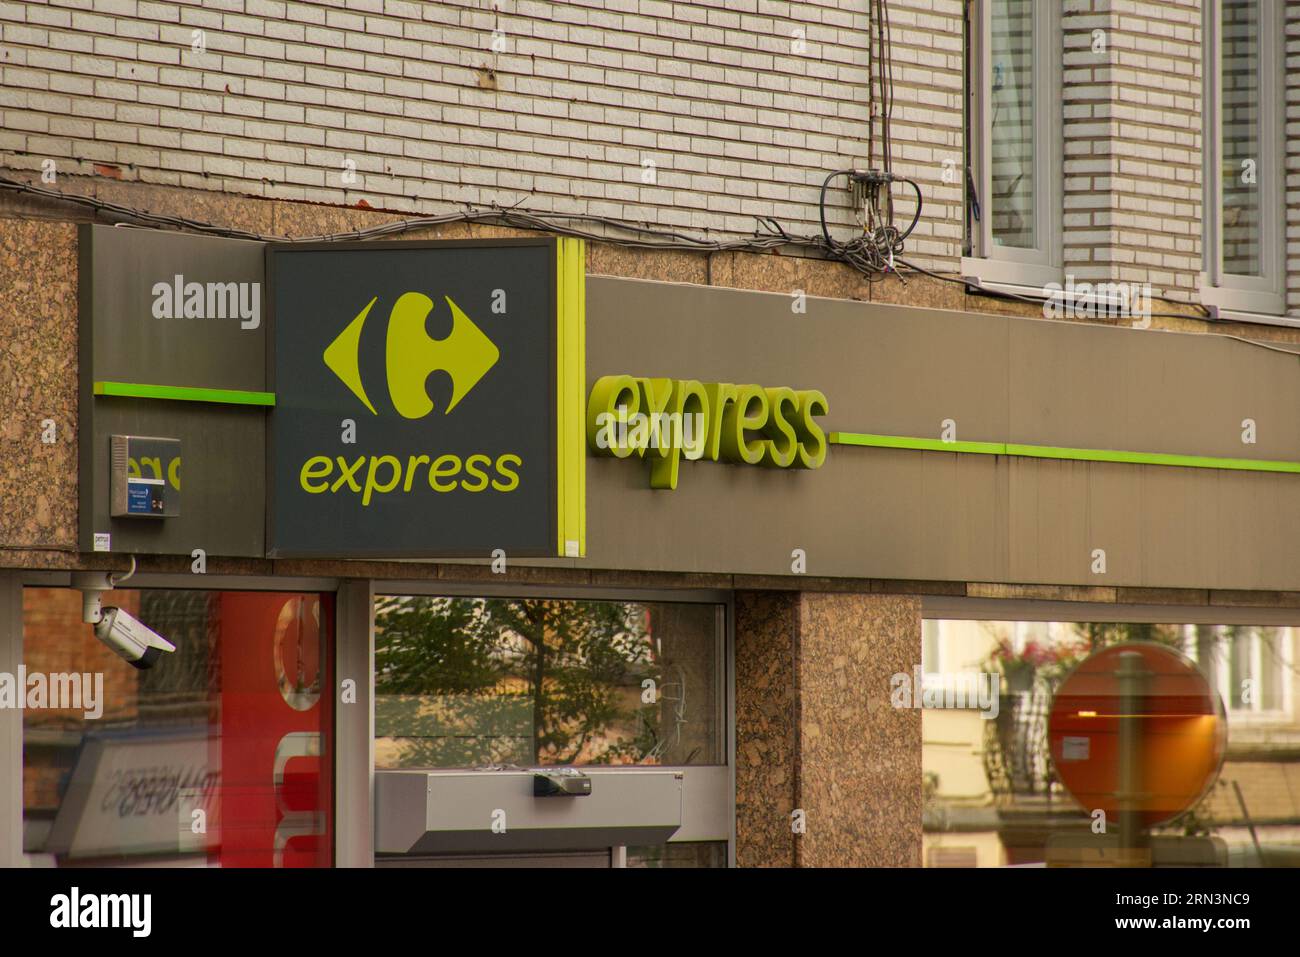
[699,114]
[926,127]
[1132,121]
[57,641]
[1291,131]
[740,105]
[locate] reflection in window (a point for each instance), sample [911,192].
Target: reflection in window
[1251,665]
[992,794]
[216,756]
[689,854]
[1240,132]
[931,662]
[476,682]
[1012,123]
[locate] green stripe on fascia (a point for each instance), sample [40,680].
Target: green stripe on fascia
[908,442]
[1152,458]
[135,390]
[1055,452]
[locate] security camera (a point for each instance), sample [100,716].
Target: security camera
[130,638]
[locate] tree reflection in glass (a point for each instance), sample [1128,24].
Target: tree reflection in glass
[474,682]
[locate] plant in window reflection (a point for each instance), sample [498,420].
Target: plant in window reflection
[1045,660]
[1091,637]
[470,682]
[1019,665]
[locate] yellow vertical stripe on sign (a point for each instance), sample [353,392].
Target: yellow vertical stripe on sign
[580,409]
[570,384]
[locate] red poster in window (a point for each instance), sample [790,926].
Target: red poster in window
[276,729]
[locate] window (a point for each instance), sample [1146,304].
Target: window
[693,854]
[218,755]
[953,655]
[1243,203]
[931,647]
[951,857]
[1251,669]
[476,682]
[1008,790]
[1013,140]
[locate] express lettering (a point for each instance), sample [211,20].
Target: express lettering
[667,420]
[370,475]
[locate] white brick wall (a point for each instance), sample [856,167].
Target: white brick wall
[1132,125]
[1292,134]
[566,117]
[927,124]
[738,119]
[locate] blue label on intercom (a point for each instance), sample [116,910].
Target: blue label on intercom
[140,499]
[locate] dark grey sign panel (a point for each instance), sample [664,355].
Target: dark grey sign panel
[173,344]
[219,469]
[415,399]
[174,309]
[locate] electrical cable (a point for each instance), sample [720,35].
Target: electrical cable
[491,215]
[115,579]
[880,248]
[887,68]
[1038,301]
[873,252]
[864,254]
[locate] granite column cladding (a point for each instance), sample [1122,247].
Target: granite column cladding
[859,757]
[767,628]
[815,730]
[38,392]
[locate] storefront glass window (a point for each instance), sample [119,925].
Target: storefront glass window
[218,755]
[480,682]
[1031,775]
[685,854]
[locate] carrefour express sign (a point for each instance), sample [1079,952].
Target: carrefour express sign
[416,399]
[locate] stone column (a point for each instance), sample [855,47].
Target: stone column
[767,629]
[815,731]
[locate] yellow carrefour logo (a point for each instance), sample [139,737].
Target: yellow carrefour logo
[466,355]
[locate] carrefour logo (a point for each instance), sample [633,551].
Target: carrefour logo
[411,355]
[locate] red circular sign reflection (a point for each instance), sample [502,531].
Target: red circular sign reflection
[1181,732]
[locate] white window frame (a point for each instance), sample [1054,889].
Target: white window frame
[1023,270]
[1253,713]
[937,674]
[1221,666]
[1231,296]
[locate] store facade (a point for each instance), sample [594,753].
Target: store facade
[680,539]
